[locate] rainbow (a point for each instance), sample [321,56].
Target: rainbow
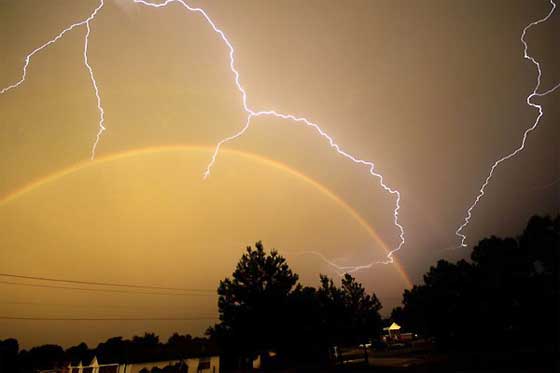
[37,183]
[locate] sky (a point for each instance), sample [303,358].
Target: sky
[432,92]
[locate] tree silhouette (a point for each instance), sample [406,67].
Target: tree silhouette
[506,299]
[9,350]
[262,307]
[41,357]
[349,314]
[78,353]
[252,304]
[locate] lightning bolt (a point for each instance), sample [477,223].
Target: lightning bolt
[535,124]
[252,113]
[59,36]
[95,88]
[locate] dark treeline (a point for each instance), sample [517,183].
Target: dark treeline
[503,304]
[115,350]
[263,308]
[500,307]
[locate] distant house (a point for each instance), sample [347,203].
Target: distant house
[208,364]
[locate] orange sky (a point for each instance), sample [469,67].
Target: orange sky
[432,92]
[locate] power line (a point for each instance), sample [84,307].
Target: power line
[103,306]
[101,290]
[107,318]
[106,283]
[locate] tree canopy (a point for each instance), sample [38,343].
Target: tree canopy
[508,292]
[263,307]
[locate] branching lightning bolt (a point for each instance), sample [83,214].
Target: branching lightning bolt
[52,41]
[535,124]
[251,114]
[249,111]
[85,22]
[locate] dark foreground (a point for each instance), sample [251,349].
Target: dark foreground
[410,361]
